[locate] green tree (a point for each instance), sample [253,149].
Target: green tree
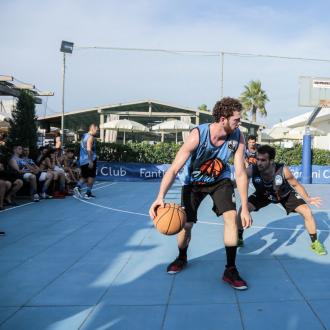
[23,125]
[254,99]
[202,107]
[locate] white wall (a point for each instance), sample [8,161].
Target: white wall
[322,142]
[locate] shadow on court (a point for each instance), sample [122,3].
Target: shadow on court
[107,271]
[284,232]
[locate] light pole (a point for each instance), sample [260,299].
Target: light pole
[222,68]
[66,48]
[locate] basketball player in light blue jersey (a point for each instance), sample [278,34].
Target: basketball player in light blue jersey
[87,162]
[204,158]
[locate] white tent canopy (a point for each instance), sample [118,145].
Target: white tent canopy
[243,129]
[125,125]
[298,132]
[287,133]
[172,126]
[278,132]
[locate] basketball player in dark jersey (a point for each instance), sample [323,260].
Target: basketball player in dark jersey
[274,183]
[206,147]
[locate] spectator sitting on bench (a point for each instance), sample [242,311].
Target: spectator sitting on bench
[70,167]
[4,187]
[56,165]
[17,165]
[46,164]
[13,184]
[43,176]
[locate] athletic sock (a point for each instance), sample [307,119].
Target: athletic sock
[231,255]
[313,237]
[240,233]
[183,253]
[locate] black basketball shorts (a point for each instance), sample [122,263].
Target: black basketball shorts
[290,202]
[222,194]
[87,172]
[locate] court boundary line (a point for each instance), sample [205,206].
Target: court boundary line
[200,221]
[29,203]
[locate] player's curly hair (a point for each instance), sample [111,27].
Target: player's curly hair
[225,108]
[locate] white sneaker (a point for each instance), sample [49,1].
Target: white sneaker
[36,198]
[46,196]
[77,192]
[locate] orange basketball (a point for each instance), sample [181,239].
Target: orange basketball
[212,167]
[252,160]
[170,219]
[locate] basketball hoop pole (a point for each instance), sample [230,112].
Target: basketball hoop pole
[307,149]
[307,157]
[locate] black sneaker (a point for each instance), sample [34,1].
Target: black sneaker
[240,242]
[177,265]
[89,195]
[2,233]
[231,276]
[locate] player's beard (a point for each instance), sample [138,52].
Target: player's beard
[228,129]
[263,168]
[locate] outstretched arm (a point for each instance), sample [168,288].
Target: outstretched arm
[242,182]
[181,157]
[316,201]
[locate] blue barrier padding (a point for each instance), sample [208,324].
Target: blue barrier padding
[150,172]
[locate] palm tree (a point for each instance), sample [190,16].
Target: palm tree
[254,99]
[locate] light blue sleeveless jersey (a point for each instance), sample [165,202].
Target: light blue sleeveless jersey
[83,160]
[201,166]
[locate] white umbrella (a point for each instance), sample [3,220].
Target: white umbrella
[298,132]
[243,129]
[265,137]
[125,125]
[278,132]
[172,126]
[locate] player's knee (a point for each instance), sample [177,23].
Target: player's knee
[308,215]
[188,226]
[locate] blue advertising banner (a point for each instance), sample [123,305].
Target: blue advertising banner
[130,171]
[320,174]
[151,172]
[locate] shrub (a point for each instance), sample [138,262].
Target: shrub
[164,153]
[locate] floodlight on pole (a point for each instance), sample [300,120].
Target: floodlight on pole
[66,48]
[48,93]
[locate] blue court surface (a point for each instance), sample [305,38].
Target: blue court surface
[100,264]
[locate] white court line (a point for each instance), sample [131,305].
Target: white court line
[94,185]
[106,185]
[260,227]
[110,208]
[16,207]
[202,222]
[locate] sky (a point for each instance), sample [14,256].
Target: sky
[32,32]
